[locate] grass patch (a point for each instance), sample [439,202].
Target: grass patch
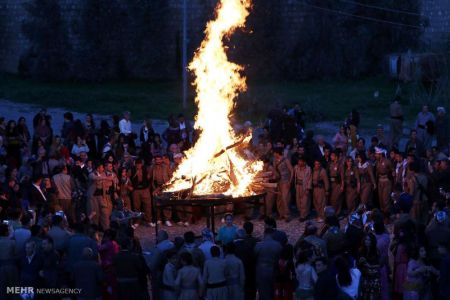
[322,100]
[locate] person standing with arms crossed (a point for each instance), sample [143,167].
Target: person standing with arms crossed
[303,186]
[352,184]
[321,187]
[383,170]
[286,172]
[336,173]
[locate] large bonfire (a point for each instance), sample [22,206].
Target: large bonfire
[217,163]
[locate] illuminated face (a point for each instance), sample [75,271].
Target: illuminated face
[317,165]
[100,168]
[109,167]
[174,148]
[229,220]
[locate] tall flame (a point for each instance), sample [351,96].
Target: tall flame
[212,166]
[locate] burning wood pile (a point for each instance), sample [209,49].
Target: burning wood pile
[219,163]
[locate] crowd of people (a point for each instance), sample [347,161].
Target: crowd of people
[70,204]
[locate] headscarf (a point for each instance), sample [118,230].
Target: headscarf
[207,235]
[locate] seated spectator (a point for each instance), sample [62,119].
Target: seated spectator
[79,147]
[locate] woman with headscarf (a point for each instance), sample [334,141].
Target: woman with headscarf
[369,264]
[207,243]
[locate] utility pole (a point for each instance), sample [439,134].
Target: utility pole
[184,54]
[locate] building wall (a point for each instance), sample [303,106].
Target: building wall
[291,15]
[437,15]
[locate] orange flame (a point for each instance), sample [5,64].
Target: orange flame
[212,166]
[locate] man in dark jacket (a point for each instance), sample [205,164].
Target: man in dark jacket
[277,235]
[38,200]
[245,245]
[444,271]
[326,287]
[267,253]
[50,263]
[88,276]
[30,264]
[76,243]
[131,272]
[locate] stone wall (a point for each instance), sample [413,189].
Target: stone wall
[12,42]
[437,14]
[290,17]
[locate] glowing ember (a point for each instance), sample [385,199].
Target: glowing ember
[215,164]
